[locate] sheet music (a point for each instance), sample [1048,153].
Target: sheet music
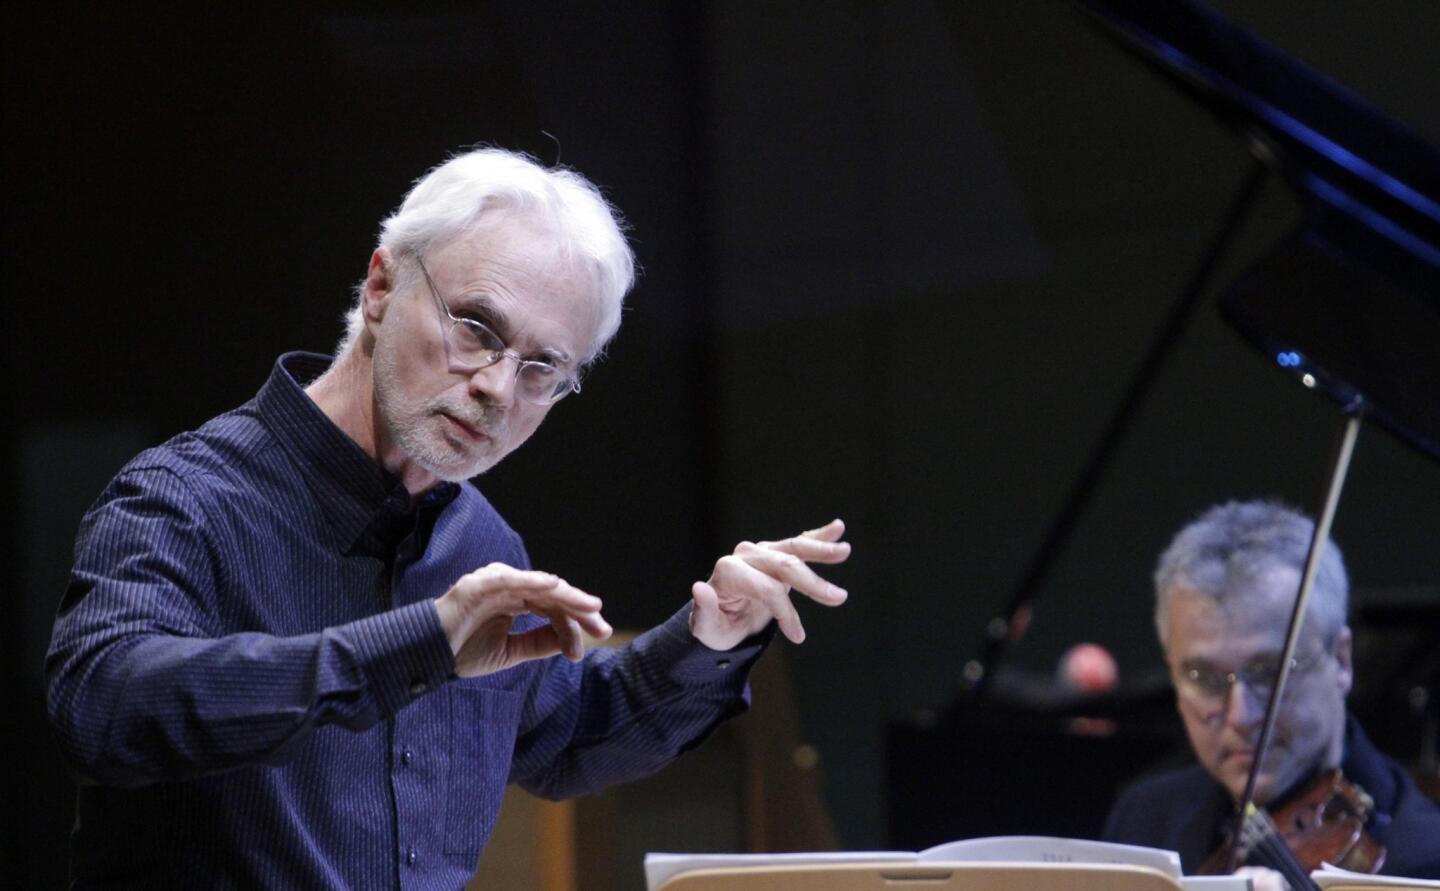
[1216,883]
[1048,849]
[1328,876]
[660,867]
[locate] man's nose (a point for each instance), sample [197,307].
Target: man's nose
[1244,707]
[495,383]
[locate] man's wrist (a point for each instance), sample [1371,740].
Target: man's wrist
[452,620]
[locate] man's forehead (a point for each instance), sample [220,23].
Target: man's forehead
[1234,628]
[520,250]
[525,278]
[1196,617]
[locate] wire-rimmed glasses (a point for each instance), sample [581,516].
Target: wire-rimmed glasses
[1208,685]
[471,346]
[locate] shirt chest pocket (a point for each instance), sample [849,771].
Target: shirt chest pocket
[483,724]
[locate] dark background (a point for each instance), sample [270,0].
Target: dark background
[900,262]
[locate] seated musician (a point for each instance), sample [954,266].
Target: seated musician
[1225,590]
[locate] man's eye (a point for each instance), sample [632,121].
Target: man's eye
[543,370]
[1262,672]
[478,334]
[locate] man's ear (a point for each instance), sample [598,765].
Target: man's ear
[1345,674]
[379,285]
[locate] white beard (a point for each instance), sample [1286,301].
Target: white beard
[424,435]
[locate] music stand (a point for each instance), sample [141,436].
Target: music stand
[938,876]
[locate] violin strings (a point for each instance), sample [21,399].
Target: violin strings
[1278,857]
[1261,836]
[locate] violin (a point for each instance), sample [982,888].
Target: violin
[1324,823]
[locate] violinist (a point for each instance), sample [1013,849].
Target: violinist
[1225,589]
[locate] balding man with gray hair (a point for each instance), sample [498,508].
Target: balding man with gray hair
[1225,589]
[299,649]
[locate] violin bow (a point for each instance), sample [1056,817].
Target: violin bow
[1340,466]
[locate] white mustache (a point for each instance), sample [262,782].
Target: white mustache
[487,420]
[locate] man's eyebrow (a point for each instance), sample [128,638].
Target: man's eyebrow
[1202,662]
[480,304]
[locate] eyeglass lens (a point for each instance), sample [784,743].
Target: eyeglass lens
[1258,676]
[476,345]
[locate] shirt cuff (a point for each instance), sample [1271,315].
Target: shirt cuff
[405,654]
[690,662]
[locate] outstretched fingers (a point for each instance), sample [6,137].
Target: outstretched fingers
[792,569]
[497,593]
[510,591]
[573,613]
[831,531]
[822,545]
[765,583]
[504,588]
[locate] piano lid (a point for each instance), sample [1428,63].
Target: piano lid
[1350,301]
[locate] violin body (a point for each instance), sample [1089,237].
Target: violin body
[1325,823]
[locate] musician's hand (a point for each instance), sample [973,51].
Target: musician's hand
[751,586]
[478,612]
[1262,879]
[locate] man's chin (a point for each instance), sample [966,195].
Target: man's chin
[459,474]
[457,466]
[1235,773]
[1264,787]
[459,471]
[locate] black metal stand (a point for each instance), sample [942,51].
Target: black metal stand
[1003,631]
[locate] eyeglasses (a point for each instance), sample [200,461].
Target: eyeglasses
[1212,685]
[470,346]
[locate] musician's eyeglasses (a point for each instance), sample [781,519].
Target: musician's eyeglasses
[1212,685]
[471,346]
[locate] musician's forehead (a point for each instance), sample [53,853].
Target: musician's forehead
[1235,627]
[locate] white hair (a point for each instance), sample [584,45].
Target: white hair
[487,186]
[1230,547]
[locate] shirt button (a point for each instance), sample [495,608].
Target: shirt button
[418,687]
[722,663]
[405,756]
[410,857]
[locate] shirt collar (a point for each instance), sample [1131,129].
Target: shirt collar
[1360,767]
[358,496]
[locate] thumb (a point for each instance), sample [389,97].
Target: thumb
[705,598]
[537,643]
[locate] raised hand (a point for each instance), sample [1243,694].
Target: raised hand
[479,611]
[752,585]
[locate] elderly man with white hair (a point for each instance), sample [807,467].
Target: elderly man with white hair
[1225,589]
[299,650]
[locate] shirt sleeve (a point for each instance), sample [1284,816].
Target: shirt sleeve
[143,687]
[623,714]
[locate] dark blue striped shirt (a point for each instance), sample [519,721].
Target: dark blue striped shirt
[251,682]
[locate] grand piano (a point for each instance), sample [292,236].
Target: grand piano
[1348,304]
